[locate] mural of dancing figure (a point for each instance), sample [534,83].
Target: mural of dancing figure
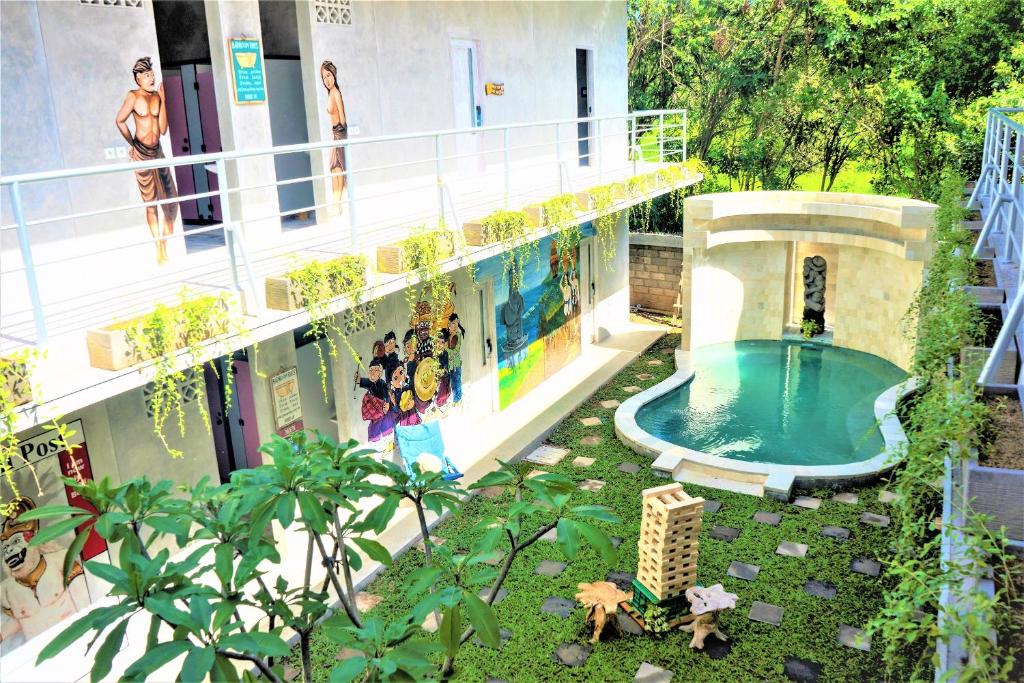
[146,106]
[339,127]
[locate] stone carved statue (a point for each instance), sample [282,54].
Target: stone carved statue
[814,290]
[705,604]
[512,317]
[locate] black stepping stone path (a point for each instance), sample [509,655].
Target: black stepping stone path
[627,624]
[712,506]
[501,595]
[503,635]
[724,533]
[801,670]
[629,468]
[742,570]
[624,580]
[836,532]
[549,568]
[559,606]
[717,649]
[872,519]
[571,654]
[862,565]
[820,589]
[771,518]
[765,613]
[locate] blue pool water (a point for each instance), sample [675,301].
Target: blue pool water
[776,401]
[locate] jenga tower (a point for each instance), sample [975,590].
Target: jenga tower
[668,541]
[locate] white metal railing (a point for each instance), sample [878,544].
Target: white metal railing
[999,194]
[392,182]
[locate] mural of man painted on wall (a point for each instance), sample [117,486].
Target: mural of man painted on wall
[145,105]
[339,127]
[33,593]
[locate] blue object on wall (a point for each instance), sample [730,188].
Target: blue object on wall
[247,68]
[424,439]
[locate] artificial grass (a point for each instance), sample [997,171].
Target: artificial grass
[809,626]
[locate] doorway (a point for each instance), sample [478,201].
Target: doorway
[467,105]
[236,438]
[588,329]
[584,101]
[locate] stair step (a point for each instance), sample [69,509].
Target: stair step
[689,476]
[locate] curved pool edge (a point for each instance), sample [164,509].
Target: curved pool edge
[755,478]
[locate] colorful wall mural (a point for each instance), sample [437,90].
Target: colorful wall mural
[538,321]
[421,383]
[339,126]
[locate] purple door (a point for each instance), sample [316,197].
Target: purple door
[177,127]
[247,413]
[211,129]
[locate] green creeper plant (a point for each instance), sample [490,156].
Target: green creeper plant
[512,230]
[320,284]
[15,370]
[181,329]
[604,223]
[809,328]
[560,216]
[423,252]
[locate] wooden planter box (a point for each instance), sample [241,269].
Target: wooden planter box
[282,295]
[111,349]
[585,200]
[972,360]
[392,260]
[477,236]
[18,386]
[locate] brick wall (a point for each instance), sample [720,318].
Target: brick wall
[655,266]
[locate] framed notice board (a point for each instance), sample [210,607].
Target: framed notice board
[250,82]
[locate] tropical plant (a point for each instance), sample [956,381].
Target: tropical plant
[605,220]
[560,216]
[423,251]
[809,328]
[319,285]
[512,230]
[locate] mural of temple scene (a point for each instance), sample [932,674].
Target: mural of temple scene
[415,380]
[538,321]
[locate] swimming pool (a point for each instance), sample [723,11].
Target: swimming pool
[781,402]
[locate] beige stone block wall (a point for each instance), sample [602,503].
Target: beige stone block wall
[874,291]
[654,274]
[739,292]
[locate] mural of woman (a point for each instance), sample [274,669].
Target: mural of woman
[145,104]
[339,126]
[403,408]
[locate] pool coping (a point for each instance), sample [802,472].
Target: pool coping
[773,479]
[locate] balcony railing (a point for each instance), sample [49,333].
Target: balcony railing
[73,255]
[999,194]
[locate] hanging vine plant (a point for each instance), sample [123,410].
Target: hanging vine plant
[604,224]
[184,328]
[560,215]
[512,229]
[319,284]
[423,251]
[14,390]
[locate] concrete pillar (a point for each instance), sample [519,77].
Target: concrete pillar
[243,126]
[275,355]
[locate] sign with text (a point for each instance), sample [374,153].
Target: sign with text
[247,69]
[284,387]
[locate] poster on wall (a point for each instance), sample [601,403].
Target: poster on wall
[247,70]
[417,382]
[33,593]
[538,321]
[146,107]
[287,406]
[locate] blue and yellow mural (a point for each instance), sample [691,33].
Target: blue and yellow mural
[538,321]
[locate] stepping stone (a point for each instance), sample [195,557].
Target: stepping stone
[846,497]
[610,404]
[712,506]
[627,624]
[807,502]
[854,637]
[667,352]
[434,542]
[765,613]
[492,491]
[290,672]
[801,670]
[624,580]
[571,654]
[547,455]
[502,594]
[583,462]
[724,533]
[503,635]
[742,570]
[549,568]
[348,653]
[717,649]
[791,549]
[616,541]
[888,497]
[871,518]
[367,601]
[632,389]
[536,473]
[559,606]
[551,535]
[591,485]
[836,532]
[494,558]
[820,589]
[648,673]
[590,441]
[629,467]
[771,518]
[590,421]
[430,624]
[644,376]
[654,361]
[862,565]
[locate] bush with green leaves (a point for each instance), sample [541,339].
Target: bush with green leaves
[228,556]
[512,230]
[560,216]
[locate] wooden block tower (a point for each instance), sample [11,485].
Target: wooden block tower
[669,530]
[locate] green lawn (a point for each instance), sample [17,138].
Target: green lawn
[852,178]
[809,625]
